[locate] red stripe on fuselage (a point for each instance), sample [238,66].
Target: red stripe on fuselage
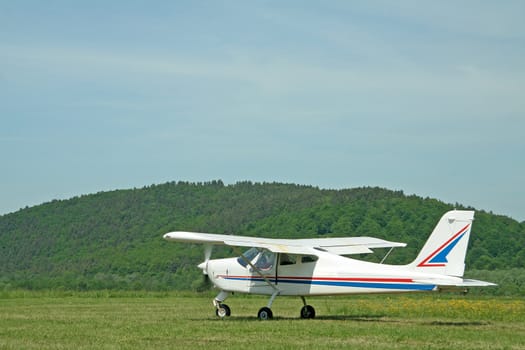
[348,279]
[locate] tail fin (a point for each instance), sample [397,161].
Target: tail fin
[445,250]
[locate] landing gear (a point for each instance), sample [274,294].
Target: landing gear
[307,311]
[221,310]
[265,313]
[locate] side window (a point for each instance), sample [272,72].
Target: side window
[287,259]
[308,259]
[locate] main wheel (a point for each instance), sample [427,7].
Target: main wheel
[307,311]
[265,313]
[223,311]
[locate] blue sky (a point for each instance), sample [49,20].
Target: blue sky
[421,96]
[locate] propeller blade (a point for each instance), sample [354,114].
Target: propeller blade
[207,252]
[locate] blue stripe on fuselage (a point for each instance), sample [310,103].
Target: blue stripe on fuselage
[399,286]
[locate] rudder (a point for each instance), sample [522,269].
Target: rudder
[446,248]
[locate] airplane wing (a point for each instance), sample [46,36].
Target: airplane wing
[339,246]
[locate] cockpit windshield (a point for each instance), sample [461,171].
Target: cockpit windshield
[262,259]
[265,260]
[248,255]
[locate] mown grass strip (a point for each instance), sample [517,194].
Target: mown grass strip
[173,320]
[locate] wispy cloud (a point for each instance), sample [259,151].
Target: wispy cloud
[270,74]
[352,93]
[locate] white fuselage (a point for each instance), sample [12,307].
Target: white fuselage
[325,274]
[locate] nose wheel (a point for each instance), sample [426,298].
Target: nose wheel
[223,310]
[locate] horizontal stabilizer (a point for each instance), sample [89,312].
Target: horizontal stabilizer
[476,283]
[460,283]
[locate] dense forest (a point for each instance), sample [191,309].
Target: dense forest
[113,240]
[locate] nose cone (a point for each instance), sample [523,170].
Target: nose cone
[204,267]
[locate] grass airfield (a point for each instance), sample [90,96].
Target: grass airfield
[142,320]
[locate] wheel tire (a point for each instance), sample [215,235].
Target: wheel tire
[223,311]
[265,313]
[307,311]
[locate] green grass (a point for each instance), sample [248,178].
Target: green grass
[140,320]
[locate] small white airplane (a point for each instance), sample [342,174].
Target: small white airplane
[305,267]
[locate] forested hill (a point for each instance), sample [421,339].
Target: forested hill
[114,239]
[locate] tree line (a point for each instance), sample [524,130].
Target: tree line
[113,240]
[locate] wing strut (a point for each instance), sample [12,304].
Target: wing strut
[387,254]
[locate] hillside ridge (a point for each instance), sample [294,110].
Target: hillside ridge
[113,239]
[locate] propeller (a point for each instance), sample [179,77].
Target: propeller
[207,254]
[204,267]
